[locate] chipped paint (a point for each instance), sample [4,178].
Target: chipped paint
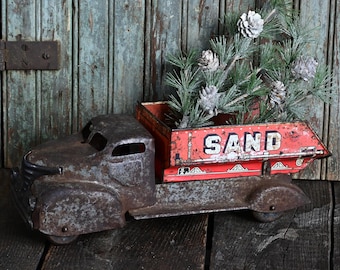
[290,147]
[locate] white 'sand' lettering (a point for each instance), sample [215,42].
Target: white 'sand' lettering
[213,143]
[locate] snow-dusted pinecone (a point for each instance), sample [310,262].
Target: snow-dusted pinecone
[208,61]
[209,98]
[304,68]
[277,95]
[250,25]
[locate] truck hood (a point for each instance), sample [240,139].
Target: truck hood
[62,152]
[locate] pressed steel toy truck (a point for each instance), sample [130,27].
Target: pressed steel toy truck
[118,164]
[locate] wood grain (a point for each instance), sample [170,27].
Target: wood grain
[332,165]
[314,17]
[170,243]
[307,238]
[20,248]
[20,87]
[164,36]
[202,23]
[128,55]
[55,91]
[301,239]
[113,54]
[335,216]
[92,38]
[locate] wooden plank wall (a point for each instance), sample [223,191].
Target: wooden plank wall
[113,55]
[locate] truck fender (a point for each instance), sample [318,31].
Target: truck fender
[274,197]
[70,212]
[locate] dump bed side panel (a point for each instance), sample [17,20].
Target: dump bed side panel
[244,142]
[228,150]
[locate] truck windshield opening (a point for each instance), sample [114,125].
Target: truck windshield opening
[98,141]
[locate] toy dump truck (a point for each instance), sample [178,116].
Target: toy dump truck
[120,165]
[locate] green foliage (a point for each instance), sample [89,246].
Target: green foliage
[251,66]
[230,23]
[183,61]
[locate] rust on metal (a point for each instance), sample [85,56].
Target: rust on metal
[273,193]
[90,180]
[29,55]
[228,151]
[86,182]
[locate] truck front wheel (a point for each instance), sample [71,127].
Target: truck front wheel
[61,240]
[267,217]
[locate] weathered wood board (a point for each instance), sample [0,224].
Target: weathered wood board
[299,240]
[55,92]
[306,238]
[19,88]
[170,243]
[19,247]
[332,134]
[113,54]
[335,215]
[128,54]
[315,17]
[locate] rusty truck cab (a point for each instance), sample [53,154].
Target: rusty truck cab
[87,181]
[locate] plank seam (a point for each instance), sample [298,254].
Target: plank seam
[209,241]
[43,256]
[331,226]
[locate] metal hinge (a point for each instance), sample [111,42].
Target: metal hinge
[25,55]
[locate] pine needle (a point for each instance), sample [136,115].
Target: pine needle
[249,67]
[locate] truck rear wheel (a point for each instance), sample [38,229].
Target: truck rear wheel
[61,240]
[267,217]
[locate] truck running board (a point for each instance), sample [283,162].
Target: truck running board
[266,194]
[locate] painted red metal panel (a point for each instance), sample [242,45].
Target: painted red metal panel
[229,150]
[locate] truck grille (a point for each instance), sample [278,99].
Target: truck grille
[22,181]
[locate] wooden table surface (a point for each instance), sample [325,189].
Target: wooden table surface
[306,238]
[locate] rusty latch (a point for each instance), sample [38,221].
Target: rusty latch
[25,55]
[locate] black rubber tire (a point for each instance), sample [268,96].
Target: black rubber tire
[267,217]
[61,240]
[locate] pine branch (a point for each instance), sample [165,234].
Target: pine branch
[240,71]
[223,49]
[183,61]
[242,97]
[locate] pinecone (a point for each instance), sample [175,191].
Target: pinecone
[277,95]
[208,61]
[304,68]
[250,25]
[209,98]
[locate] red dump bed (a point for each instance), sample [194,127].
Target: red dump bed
[226,151]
